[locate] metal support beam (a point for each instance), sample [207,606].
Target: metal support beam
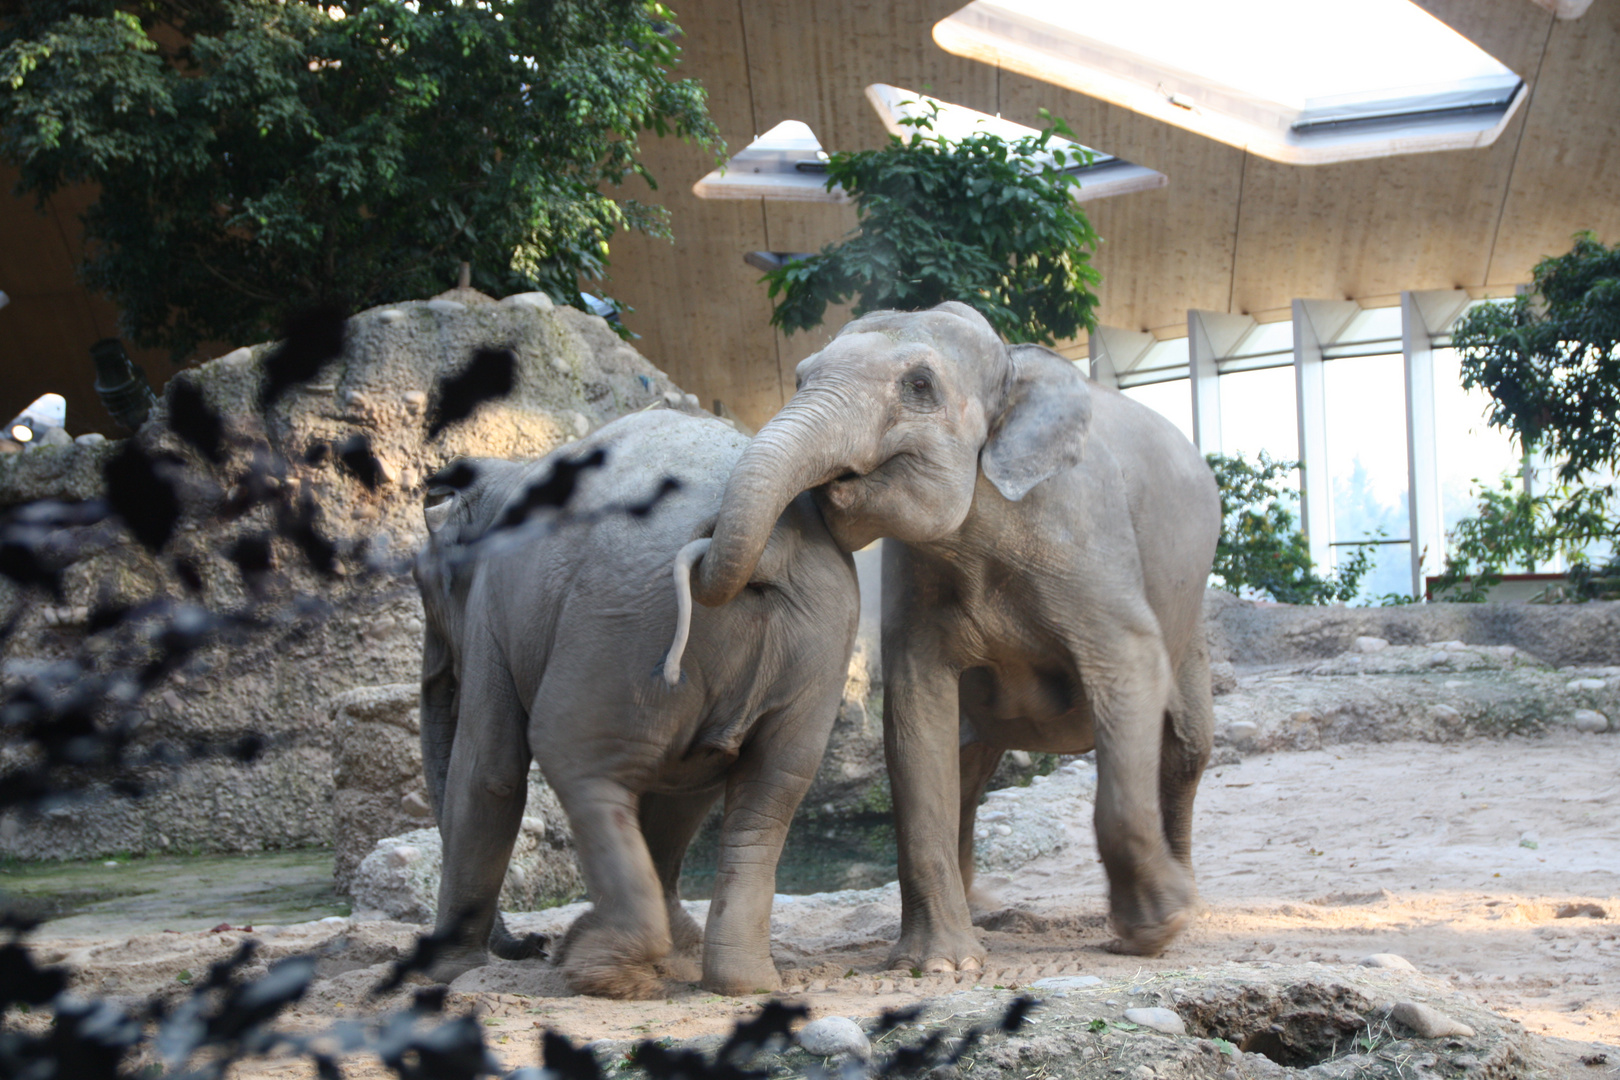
[1424,316]
[1115,351]
[1211,336]
[1316,323]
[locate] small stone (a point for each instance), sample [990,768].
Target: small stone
[1465,1061]
[516,876]
[529,299]
[236,357]
[403,855]
[1529,840]
[55,436]
[1371,644]
[582,426]
[356,399]
[692,401]
[390,315]
[1428,1022]
[1445,714]
[415,806]
[445,307]
[90,438]
[834,1036]
[1003,830]
[535,825]
[1590,721]
[415,401]
[1386,960]
[1066,982]
[1242,731]
[387,470]
[1584,684]
[1166,1020]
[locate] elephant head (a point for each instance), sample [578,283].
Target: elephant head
[891,425]
[462,502]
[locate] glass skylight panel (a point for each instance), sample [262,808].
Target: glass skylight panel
[785,163]
[1302,81]
[1103,176]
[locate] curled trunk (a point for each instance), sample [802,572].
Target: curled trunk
[803,446]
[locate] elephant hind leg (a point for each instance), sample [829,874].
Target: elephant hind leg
[611,950]
[978,764]
[1189,732]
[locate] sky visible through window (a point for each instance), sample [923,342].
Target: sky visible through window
[1366,430]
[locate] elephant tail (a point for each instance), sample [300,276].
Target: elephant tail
[504,944]
[684,561]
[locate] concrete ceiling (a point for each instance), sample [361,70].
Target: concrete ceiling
[1230,232]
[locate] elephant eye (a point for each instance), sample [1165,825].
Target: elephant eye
[917,382]
[437,496]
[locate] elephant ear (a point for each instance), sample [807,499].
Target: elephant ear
[1042,427]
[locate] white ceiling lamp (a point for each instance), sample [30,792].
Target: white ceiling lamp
[48,411]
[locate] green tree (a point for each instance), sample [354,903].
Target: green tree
[1261,549]
[1550,361]
[989,222]
[257,156]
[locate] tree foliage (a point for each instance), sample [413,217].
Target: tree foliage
[1514,530]
[259,156]
[1550,359]
[989,222]
[1261,549]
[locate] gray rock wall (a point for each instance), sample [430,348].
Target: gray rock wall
[574,374]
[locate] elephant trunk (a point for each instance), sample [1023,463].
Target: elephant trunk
[805,445]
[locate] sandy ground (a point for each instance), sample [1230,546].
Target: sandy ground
[1494,866]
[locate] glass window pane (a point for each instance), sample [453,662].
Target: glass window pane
[1469,452]
[1258,412]
[1172,400]
[1366,445]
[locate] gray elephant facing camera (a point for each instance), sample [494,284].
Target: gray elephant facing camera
[1046,593]
[550,642]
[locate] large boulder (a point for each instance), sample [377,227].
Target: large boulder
[1248,633]
[319,636]
[1439,692]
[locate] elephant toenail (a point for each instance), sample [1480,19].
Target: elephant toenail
[970,964]
[938,964]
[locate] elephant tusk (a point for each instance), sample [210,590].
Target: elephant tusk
[685,559]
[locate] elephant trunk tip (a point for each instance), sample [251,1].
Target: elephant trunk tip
[685,559]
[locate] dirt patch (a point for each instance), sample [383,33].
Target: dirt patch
[1460,858]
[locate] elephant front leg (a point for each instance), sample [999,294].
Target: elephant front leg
[480,811]
[1150,892]
[669,823]
[921,743]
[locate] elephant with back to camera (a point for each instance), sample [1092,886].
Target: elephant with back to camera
[548,641]
[1049,543]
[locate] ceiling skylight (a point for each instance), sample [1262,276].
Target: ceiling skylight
[1105,175]
[1299,81]
[785,163]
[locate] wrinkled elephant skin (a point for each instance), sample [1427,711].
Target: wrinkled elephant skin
[548,640]
[1045,593]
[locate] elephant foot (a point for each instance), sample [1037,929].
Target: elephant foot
[957,950]
[738,980]
[686,936]
[455,962]
[609,961]
[1148,940]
